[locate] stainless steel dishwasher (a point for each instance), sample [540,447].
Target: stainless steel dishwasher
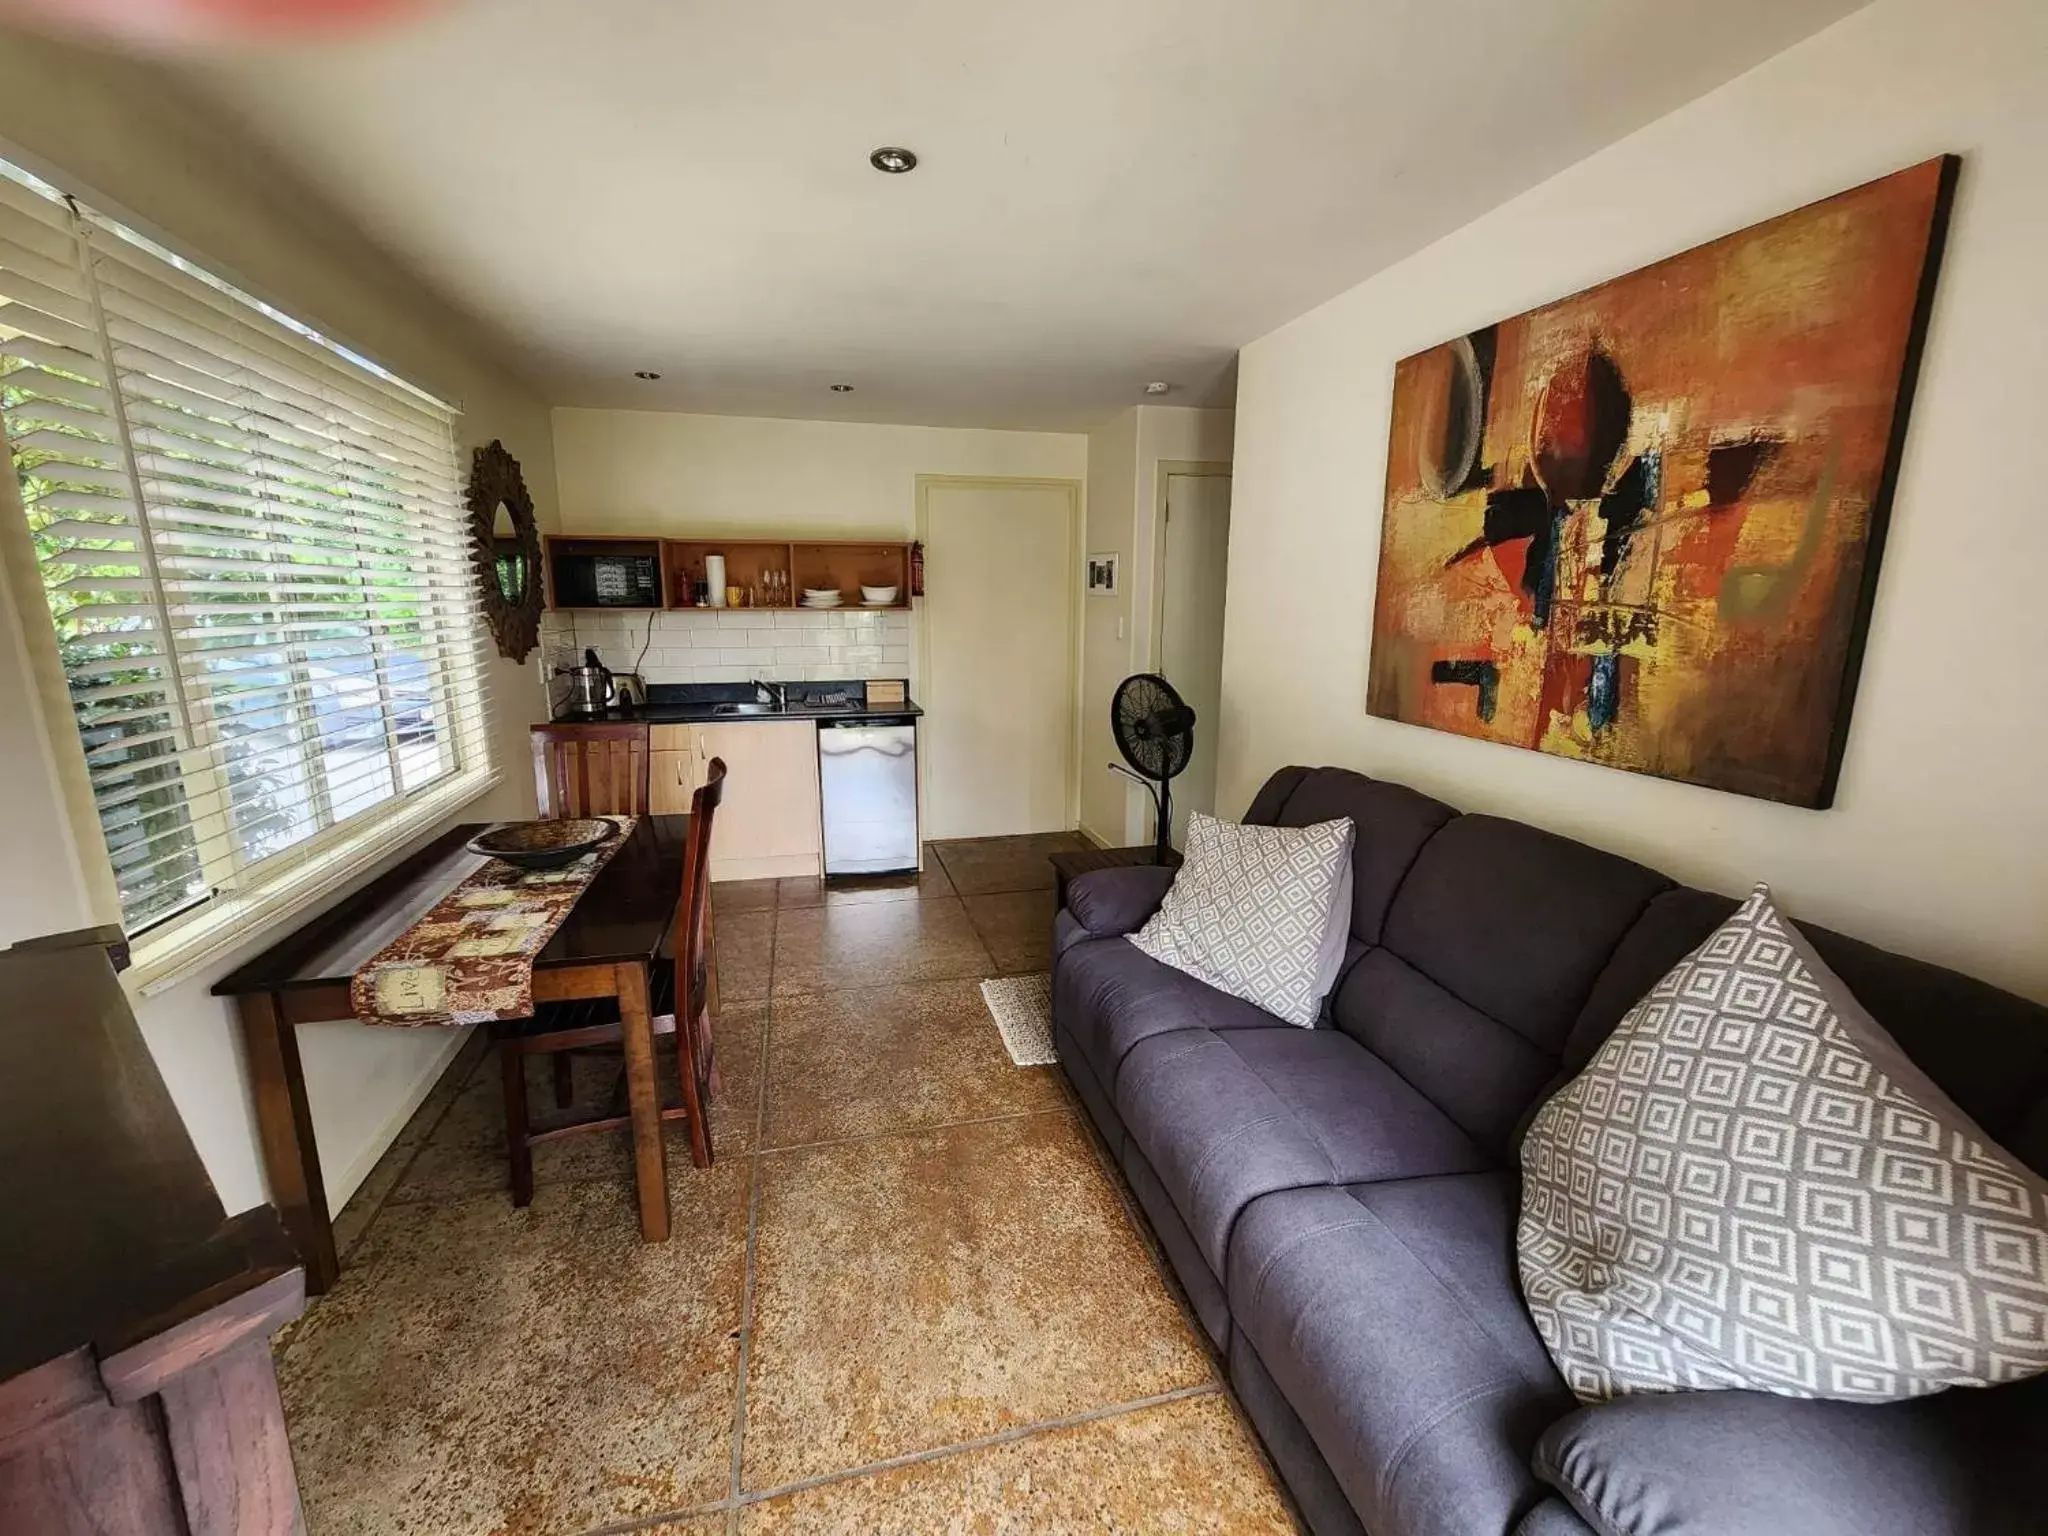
[867,783]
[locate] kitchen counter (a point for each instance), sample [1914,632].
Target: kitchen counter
[803,795]
[698,704]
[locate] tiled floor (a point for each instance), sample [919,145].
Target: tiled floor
[909,1298]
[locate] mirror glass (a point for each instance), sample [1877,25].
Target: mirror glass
[510,563]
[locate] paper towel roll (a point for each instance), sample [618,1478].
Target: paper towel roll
[714,578]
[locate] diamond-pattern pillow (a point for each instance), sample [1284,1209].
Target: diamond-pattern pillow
[1751,1185]
[1258,912]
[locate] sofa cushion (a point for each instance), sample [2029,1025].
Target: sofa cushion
[1965,1463]
[1988,1049]
[1393,823]
[1517,922]
[1389,1316]
[1554,1517]
[1753,1186]
[1262,913]
[1109,995]
[1481,1075]
[1225,1116]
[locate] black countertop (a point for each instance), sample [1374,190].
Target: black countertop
[697,704]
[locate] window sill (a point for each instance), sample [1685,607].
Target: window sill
[159,962]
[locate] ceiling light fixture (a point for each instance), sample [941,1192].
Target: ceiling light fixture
[893,159]
[1157,387]
[645,373]
[842,389]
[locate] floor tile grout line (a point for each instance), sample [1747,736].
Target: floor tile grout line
[736,1502]
[743,1360]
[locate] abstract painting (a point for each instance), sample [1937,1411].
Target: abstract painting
[1641,526]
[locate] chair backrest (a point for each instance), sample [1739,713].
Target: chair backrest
[694,907]
[590,770]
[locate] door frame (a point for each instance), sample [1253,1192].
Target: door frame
[1074,490]
[1138,808]
[1164,471]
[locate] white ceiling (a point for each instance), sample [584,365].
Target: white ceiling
[1112,191]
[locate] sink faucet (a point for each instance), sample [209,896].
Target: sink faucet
[772,693]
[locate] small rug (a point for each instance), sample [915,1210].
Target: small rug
[1022,1009]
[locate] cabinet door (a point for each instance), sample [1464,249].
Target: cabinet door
[672,776]
[768,820]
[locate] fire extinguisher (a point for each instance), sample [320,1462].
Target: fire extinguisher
[917,570]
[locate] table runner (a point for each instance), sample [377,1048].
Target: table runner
[469,958]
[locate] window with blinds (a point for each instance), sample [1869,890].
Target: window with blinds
[253,547]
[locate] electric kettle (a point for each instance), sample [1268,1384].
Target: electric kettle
[592,689]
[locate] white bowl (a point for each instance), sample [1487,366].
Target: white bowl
[877,597]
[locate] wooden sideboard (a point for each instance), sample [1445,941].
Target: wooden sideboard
[136,1388]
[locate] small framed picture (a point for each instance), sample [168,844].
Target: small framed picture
[1101,575]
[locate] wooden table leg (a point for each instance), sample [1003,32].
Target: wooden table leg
[643,1097]
[284,1127]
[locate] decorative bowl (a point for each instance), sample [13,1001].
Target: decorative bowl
[544,844]
[877,597]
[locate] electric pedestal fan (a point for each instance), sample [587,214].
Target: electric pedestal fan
[1155,731]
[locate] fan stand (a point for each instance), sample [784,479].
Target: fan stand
[1162,810]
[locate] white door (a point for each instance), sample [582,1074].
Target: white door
[997,734]
[1197,552]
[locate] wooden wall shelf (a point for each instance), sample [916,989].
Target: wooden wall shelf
[844,565]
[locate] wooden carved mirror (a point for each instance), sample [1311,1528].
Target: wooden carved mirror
[504,546]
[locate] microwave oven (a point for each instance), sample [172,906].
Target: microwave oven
[591,580]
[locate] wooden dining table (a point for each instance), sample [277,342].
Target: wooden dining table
[619,928]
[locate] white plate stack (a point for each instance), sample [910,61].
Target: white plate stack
[820,597]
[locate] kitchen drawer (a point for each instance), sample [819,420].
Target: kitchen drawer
[671,738]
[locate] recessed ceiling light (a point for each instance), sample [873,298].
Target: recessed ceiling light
[1157,387]
[645,373]
[894,159]
[842,389]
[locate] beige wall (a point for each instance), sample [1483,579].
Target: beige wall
[113,130]
[1937,840]
[667,472]
[1124,455]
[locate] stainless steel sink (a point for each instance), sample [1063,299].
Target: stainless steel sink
[746,709]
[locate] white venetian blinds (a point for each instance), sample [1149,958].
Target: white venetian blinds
[253,547]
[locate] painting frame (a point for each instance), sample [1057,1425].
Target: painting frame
[1517,441]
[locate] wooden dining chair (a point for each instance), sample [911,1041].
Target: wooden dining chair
[678,997]
[590,770]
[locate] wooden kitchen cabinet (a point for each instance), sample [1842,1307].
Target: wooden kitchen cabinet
[768,823]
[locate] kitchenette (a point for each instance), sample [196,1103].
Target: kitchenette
[822,768]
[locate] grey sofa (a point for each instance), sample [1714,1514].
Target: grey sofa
[1340,1202]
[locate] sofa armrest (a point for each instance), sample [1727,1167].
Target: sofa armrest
[1754,1464]
[1109,902]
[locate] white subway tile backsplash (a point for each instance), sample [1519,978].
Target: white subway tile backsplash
[713,645]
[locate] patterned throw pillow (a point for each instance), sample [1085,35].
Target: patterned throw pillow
[1752,1186]
[1259,912]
